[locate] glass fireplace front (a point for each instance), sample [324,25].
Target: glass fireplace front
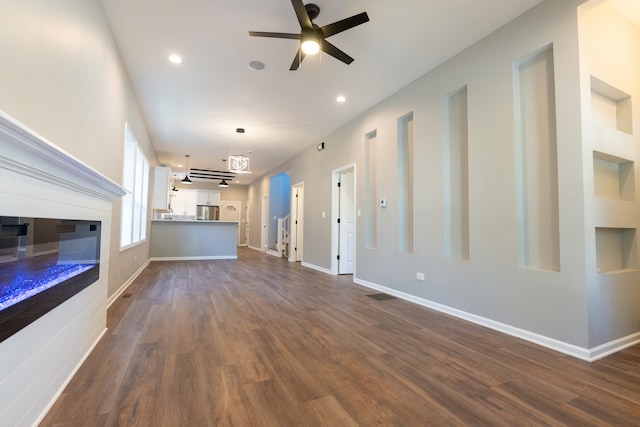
[43,262]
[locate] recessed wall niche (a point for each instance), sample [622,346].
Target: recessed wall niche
[613,177]
[537,162]
[616,249]
[456,179]
[370,189]
[405,183]
[611,106]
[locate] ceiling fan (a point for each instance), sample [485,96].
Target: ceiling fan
[313,37]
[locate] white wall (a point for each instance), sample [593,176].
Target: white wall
[63,78]
[549,307]
[610,52]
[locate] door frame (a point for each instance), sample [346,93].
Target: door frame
[296,231]
[335,214]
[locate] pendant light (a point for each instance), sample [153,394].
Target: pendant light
[223,182]
[239,163]
[186,179]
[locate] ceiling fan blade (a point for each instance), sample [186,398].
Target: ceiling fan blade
[297,60]
[274,35]
[301,13]
[344,24]
[330,49]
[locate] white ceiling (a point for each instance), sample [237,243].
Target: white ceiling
[195,108]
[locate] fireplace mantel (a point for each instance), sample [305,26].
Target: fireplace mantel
[39,179]
[25,152]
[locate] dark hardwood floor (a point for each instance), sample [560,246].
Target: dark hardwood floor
[263,342]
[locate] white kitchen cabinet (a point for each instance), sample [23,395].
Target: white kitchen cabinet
[208,197]
[161,187]
[184,202]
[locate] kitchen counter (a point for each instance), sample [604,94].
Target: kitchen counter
[173,240]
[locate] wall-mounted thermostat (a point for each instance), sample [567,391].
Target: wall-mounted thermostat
[383,203]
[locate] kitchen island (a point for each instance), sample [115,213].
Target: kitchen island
[176,240]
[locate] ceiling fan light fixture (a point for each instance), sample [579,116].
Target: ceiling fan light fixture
[310,45]
[313,37]
[223,183]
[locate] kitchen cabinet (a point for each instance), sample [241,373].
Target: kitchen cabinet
[183,202]
[208,197]
[161,187]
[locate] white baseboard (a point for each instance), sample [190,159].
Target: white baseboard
[586,354]
[126,284]
[193,258]
[315,267]
[614,346]
[64,385]
[274,252]
[255,248]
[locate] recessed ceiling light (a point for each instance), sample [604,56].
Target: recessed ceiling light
[341,99]
[256,65]
[176,59]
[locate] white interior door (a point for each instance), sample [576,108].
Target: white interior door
[246,225]
[347,225]
[297,222]
[265,223]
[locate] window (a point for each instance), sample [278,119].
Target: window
[135,179]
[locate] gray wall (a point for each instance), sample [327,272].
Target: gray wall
[490,285]
[62,76]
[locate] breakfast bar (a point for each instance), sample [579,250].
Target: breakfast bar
[173,240]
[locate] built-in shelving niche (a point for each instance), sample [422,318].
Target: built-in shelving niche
[616,250]
[611,106]
[613,177]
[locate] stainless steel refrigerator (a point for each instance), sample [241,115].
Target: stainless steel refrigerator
[208,213]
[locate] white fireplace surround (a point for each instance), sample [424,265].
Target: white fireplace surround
[40,180]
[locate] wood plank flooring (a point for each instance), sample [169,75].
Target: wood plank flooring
[263,342]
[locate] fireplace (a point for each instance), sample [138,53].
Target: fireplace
[43,262]
[57,214]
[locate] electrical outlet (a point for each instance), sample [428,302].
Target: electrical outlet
[420,276]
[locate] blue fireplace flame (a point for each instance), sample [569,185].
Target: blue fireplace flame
[28,283]
[43,263]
